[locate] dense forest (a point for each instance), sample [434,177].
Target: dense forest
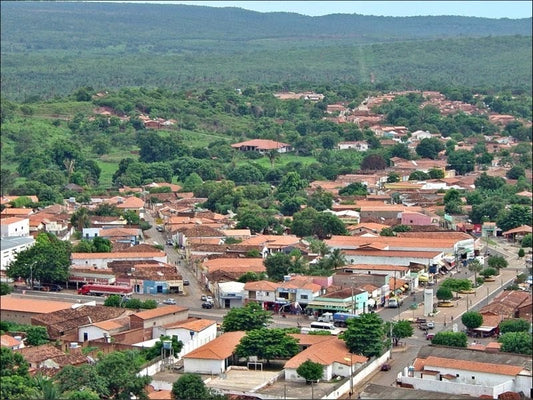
[52,48]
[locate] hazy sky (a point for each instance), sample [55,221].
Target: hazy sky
[487,9]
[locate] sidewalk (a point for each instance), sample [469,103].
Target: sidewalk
[445,315]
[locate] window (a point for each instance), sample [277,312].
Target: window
[304,297]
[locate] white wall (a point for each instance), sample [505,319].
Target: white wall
[203,366]
[93,333]
[16,229]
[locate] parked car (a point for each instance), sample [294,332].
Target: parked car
[52,287]
[385,367]
[169,301]
[209,299]
[430,325]
[41,288]
[159,228]
[204,297]
[170,242]
[186,282]
[207,305]
[430,336]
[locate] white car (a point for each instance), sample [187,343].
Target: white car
[169,301]
[209,299]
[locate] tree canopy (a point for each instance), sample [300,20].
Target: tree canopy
[267,344]
[246,318]
[365,335]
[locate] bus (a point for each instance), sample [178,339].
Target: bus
[322,326]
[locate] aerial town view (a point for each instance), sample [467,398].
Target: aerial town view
[242,200]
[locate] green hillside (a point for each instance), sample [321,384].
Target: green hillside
[52,48]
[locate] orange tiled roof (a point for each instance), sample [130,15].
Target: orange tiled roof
[17,211]
[218,349]
[466,365]
[8,341]
[251,264]
[271,240]
[11,220]
[261,285]
[393,253]
[159,312]
[10,303]
[326,353]
[192,324]
[113,324]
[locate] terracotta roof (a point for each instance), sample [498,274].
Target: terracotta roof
[160,395]
[37,354]
[159,312]
[520,229]
[392,242]
[384,267]
[271,240]
[261,285]
[114,324]
[218,349]
[249,264]
[110,232]
[11,303]
[192,324]
[466,365]
[11,220]
[326,353]
[8,341]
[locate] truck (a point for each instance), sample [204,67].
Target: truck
[341,318]
[99,290]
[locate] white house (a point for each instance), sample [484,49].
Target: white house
[419,135]
[100,260]
[472,372]
[359,145]
[11,246]
[14,227]
[193,332]
[213,357]
[230,294]
[103,329]
[328,351]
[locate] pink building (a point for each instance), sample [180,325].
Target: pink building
[415,218]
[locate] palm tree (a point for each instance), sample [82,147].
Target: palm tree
[475,267]
[272,156]
[337,258]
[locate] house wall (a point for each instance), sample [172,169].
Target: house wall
[292,375]
[93,333]
[199,338]
[21,317]
[136,322]
[380,260]
[99,262]
[203,366]
[475,390]
[9,254]
[415,219]
[90,233]
[16,229]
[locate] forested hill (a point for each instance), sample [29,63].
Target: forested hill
[51,48]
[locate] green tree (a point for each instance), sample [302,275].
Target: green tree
[401,329]
[120,370]
[373,162]
[444,294]
[486,182]
[36,335]
[251,276]
[354,189]
[277,266]
[516,342]
[310,371]
[488,272]
[497,262]
[267,344]
[246,318]
[365,335]
[337,258]
[155,351]
[320,200]
[5,288]
[82,395]
[527,240]
[453,339]
[514,217]
[462,161]
[190,387]
[457,285]
[521,252]
[47,261]
[80,219]
[514,325]
[429,148]
[310,222]
[14,376]
[71,379]
[192,182]
[472,319]
[475,267]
